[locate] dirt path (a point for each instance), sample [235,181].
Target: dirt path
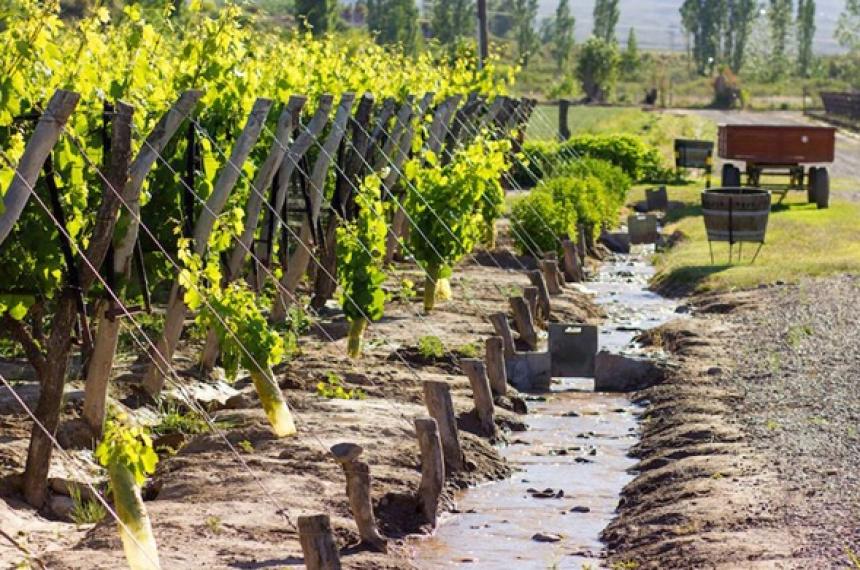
[847,163]
[209,511]
[749,453]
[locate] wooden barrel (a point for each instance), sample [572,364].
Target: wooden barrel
[736,214]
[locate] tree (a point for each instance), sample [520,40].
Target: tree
[741,15]
[630,59]
[393,22]
[320,16]
[452,20]
[779,16]
[848,26]
[597,68]
[805,35]
[562,34]
[606,15]
[524,13]
[499,12]
[703,19]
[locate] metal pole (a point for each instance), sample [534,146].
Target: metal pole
[483,33]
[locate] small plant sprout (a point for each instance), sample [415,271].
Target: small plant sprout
[85,511]
[126,452]
[430,347]
[246,446]
[361,256]
[332,388]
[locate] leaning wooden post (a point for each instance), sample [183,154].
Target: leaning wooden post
[531,296]
[358,491]
[477,373]
[570,262]
[432,468]
[101,360]
[524,321]
[549,268]
[318,544]
[153,380]
[536,278]
[39,146]
[437,397]
[503,330]
[495,360]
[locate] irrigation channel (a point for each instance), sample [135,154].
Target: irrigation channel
[572,462]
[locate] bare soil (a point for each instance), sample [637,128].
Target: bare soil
[749,454]
[211,510]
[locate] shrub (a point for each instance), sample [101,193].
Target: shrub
[431,347]
[537,222]
[626,151]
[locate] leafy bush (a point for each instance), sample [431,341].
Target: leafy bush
[626,151]
[537,222]
[333,389]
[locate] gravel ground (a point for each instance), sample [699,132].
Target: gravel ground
[798,359]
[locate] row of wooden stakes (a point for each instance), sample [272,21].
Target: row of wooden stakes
[438,436]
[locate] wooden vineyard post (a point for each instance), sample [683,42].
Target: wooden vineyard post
[549,268]
[358,491]
[437,397]
[348,177]
[537,280]
[524,321]
[153,380]
[495,362]
[503,330]
[318,544]
[39,146]
[107,336]
[530,294]
[401,152]
[571,265]
[477,373]
[432,468]
[299,260]
[101,360]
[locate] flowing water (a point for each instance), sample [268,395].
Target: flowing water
[571,463]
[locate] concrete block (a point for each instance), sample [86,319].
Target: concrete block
[620,373]
[657,199]
[572,348]
[529,371]
[616,242]
[642,228]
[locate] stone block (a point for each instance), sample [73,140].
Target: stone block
[529,371]
[620,373]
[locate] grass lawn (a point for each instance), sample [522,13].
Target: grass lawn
[801,241]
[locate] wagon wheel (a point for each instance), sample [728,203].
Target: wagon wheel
[753,176]
[821,190]
[810,184]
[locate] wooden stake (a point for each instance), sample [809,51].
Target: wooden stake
[437,397]
[524,321]
[549,268]
[358,491]
[503,330]
[432,468]
[495,361]
[536,278]
[571,265]
[318,543]
[39,146]
[531,296]
[476,371]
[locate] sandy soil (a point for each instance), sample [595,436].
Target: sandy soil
[211,511]
[749,452]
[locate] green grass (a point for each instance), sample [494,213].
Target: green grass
[801,241]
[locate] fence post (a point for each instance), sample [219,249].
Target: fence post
[437,397]
[563,129]
[358,491]
[318,543]
[432,468]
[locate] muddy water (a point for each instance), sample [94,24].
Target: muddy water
[575,450]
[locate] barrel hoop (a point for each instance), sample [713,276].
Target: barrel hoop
[736,213]
[736,233]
